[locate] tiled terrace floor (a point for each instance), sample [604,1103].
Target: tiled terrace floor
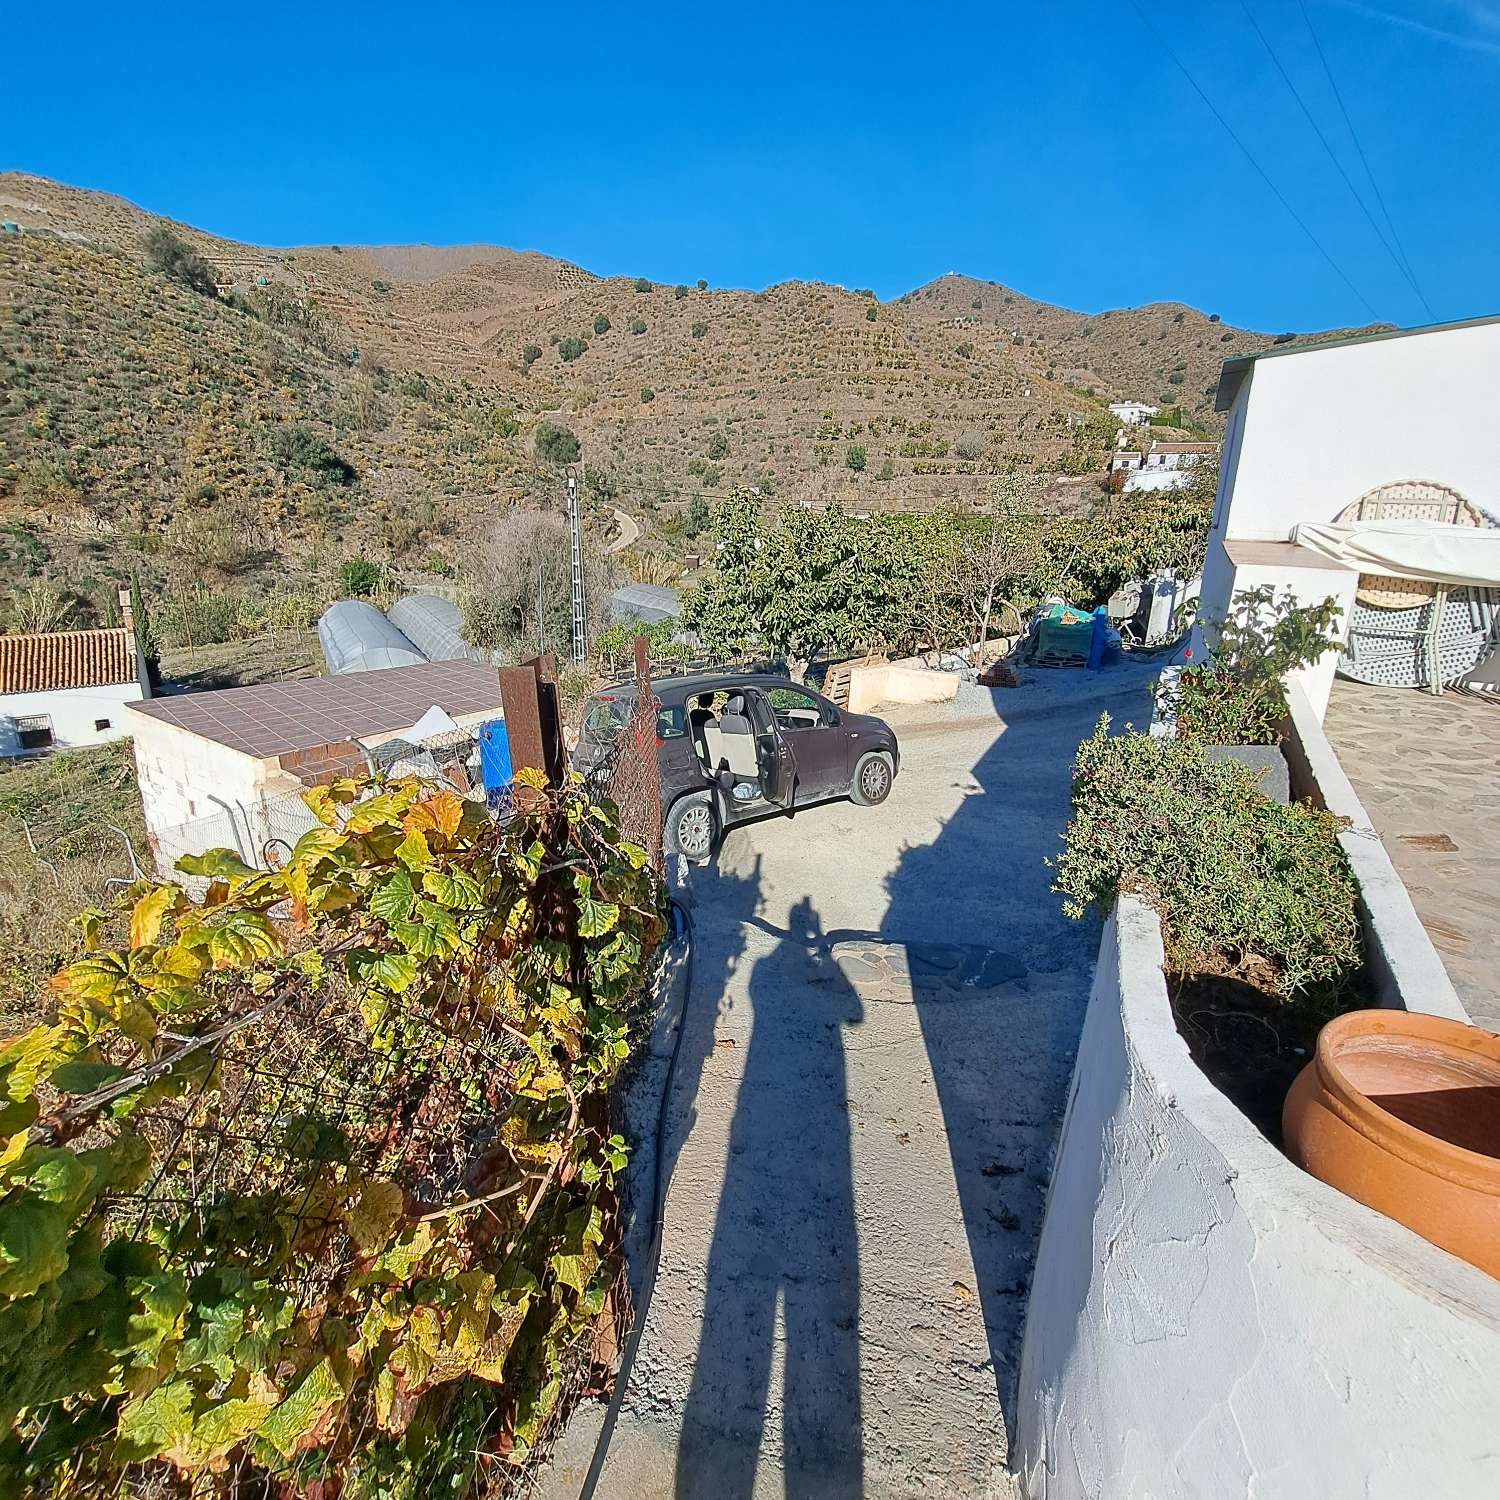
[1428,772]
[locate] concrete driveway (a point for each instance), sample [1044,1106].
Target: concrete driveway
[878,1038]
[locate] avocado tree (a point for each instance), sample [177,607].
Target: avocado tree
[813,582]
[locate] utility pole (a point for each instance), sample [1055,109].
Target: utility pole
[575,533]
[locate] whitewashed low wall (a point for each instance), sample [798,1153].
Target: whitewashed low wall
[898,682]
[1207,1321]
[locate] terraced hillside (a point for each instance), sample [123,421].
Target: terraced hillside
[337,402]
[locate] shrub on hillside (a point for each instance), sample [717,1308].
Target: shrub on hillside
[601,323]
[556,444]
[1244,885]
[718,445]
[642,284]
[854,456]
[969,444]
[647,395]
[699,329]
[359,578]
[679,292]
[530,354]
[295,447]
[637,325]
[172,257]
[571,348]
[197,616]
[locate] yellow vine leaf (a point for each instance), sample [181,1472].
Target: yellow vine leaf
[442,813]
[147,914]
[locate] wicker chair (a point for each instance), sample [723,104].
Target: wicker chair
[1408,631]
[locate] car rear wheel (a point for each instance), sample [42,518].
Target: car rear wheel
[872,779]
[692,827]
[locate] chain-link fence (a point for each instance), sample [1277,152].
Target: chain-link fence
[629,774]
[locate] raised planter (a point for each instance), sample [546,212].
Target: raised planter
[1206,1319]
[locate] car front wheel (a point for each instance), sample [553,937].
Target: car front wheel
[872,779]
[692,827]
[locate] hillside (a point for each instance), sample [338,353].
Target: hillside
[335,402]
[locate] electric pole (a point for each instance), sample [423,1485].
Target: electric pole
[575,533]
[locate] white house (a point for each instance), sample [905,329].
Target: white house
[1133,413]
[227,769]
[66,688]
[1166,455]
[1314,429]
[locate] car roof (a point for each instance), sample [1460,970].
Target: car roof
[677,689]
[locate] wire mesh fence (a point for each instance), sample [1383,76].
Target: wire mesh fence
[628,773]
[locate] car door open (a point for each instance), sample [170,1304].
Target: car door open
[778,763]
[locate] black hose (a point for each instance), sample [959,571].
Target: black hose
[683,932]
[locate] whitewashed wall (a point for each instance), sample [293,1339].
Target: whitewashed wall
[1323,426]
[190,790]
[73,714]
[1207,1321]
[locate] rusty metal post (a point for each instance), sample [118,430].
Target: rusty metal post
[533,723]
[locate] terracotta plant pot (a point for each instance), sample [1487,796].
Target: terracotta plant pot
[1402,1112]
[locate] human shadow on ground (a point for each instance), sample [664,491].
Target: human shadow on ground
[784,1244]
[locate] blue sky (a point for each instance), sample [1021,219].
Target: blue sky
[1056,148]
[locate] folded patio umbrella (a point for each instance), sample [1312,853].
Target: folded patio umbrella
[1453,556]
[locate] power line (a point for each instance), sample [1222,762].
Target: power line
[1249,156]
[1359,147]
[1296,93]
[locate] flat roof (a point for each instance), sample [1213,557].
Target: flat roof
[276,717]
[1234,369]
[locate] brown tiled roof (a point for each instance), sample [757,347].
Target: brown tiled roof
[276,717]
[61,659]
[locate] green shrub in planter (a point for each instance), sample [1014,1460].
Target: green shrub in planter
[1237,697]
[1245,886]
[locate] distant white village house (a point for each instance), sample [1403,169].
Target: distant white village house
[1133,413]
[67,688]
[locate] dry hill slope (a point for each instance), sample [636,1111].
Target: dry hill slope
[191,435]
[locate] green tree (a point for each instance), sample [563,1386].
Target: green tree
[870,314]
[642,284]
[556,444]
[529,355]
[571,348]
[702,285]
[718,445]
[145,634]
[679,292]
[173,258]
[698,516]
[854,456]
[815,582]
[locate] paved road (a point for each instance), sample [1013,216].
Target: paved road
[879,1035]
[630,532]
